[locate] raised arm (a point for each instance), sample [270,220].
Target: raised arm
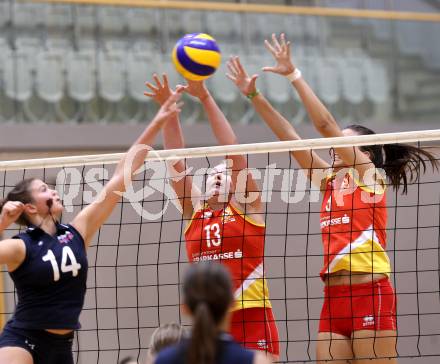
[308,160]
[323,121]
[12,251]
[187,193]
[225,135]
[9,213]
[90,219]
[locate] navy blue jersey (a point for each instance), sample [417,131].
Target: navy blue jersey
[228,352]
[51,281]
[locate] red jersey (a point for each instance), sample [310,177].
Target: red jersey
[235,240]
[353,227]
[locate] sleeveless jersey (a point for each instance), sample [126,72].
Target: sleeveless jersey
[228,352]
[353,227]
[232,238]
[51,281]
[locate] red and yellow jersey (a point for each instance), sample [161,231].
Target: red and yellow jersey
[353,227]
[235,240]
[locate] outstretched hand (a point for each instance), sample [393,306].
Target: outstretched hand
[240,77]
[11,211]
[171,107]
[197,89]
[280,50]
[161,91]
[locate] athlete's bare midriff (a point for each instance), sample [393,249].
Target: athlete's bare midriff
[345,278]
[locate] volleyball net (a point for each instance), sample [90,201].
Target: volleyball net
[138,257]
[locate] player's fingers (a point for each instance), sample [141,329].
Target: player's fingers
[253,80]
[14,213]
[269,47]
[14,210]
[232,78]
[176,95]
[289,48]
[165,81]
[239,65]
[275,43]
[231,68]
[232,61]
[180,89]
[236,63]
[283,41]
[269,69]
[18,205]
[151,87]
[9,206]
[157,80]
[171,100]
[176,108]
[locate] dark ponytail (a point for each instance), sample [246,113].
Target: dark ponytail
[21,193]
[204,336]
[402,163]
[208,295]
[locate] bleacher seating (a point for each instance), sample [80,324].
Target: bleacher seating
[353,81]
[4,13]
[139,66]
[85,18]
[17,76]
[56,52]
[27,16]
[223,89]
[49,77]
[376,79]
[225,26]
[58,17]
[141,21]
[80,76]
[112,20]
[85,74]
[111,76]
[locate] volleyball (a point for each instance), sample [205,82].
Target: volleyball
[196,56]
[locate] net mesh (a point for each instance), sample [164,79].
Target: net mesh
[138,257]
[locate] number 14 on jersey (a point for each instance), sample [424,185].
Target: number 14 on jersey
[73,267]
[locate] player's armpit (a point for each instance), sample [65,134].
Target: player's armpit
[12,253]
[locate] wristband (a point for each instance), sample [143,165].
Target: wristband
[295,75]
[251,95]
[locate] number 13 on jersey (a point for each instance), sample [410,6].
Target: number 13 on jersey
[213,235]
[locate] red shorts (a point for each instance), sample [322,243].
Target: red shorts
[255,329]
[366,306]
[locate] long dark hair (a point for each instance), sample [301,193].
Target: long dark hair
[21,193]
[402,163]
[208,294]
